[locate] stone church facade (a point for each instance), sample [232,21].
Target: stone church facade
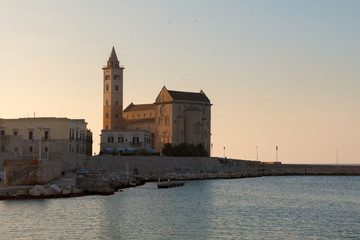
[175,116]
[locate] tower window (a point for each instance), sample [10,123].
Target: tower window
[107,77]
[116,103]
[46,135]
[31,135]
[117,77]
[107,87]
[116,115]
[116,88]
[15,133]
[107,102]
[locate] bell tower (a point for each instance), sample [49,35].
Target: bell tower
[112,93]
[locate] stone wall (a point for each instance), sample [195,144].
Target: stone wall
[152,168]
[30,172]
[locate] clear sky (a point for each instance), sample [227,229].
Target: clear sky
[279,73]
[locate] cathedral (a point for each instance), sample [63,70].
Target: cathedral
[175,117]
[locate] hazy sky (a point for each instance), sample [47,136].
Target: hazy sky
[280,73]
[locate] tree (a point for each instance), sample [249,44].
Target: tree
[185,150]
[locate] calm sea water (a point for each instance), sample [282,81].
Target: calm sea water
[301,207]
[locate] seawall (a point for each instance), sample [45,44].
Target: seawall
[151,168]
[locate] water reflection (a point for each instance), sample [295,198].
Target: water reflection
[257,208]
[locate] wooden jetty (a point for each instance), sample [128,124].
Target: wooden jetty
[171,184]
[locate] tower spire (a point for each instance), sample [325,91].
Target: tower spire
[113,54]
[113,61]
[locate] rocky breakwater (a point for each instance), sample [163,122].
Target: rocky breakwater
[94,184]
[41,192]
[105,184]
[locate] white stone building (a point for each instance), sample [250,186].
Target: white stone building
[45,138]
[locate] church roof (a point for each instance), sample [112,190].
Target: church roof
[139,107]
[189,96]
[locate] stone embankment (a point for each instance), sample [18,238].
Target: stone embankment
[130,171]
[152,168]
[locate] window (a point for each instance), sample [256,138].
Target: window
[110,139]
[107,77]
[30,149]
[116,88]
[107,115]
[120,139]
[107,87]
[70,148]
[46,149]
[2,133]
[71,133]
[31,135]
[15,133]
[116,115]
[117,77]
[107,102]
[46,135]
[135,140]
[144,115]
[116,103]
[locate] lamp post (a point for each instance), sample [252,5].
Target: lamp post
[277,149]
[257,153]
[224,152]
[337,156]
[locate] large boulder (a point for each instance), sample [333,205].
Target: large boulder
[55,188]
[38,190]
[93,184]
[76,190]
[41,190]
[34,192]
[66,190]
